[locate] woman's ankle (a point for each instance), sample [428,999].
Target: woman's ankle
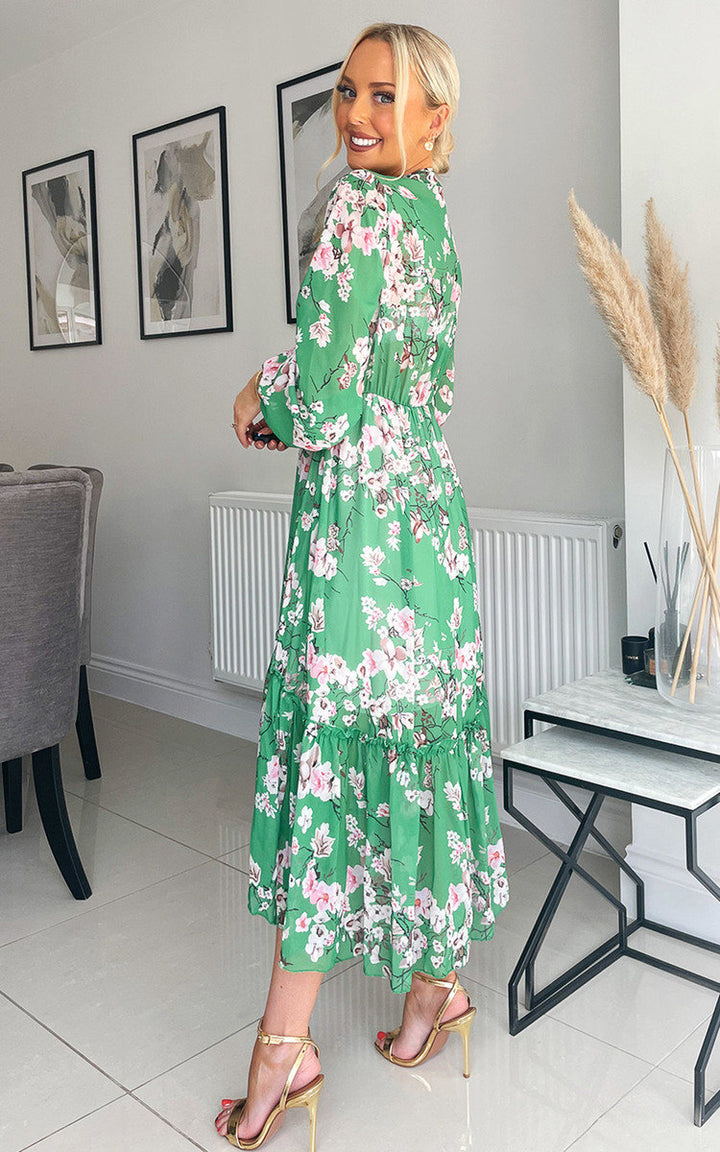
[431,996]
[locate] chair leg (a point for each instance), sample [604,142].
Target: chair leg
[86,730]
[12,789]
[54,816]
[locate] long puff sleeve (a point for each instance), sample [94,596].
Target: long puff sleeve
[312,396]
[445,389]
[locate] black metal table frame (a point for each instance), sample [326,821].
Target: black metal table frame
[538,1002]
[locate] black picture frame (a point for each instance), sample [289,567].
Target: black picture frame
[180,179]
[303,207]
[61,253]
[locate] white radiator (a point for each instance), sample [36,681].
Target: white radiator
[551,597]
[248,540]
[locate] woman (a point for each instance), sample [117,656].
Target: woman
[375,832]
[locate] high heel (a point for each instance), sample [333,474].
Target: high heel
[306,1097]
[459,1024]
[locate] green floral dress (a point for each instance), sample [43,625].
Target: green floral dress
[375,831]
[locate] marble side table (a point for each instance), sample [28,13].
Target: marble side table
[611,738]
[605,703]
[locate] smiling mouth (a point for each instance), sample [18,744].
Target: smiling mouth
[362,143]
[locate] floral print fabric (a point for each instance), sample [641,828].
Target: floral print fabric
[375,832]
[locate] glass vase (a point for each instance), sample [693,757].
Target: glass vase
[687,611]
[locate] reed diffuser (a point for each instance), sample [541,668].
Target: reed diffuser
[654,332]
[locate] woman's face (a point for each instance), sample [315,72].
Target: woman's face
[366,114]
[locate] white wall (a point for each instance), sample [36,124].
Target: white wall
[538,421]
[670,92]
[670,99]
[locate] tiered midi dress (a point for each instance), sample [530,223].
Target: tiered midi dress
[375,830]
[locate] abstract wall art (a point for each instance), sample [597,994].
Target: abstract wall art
[307,137]
[61,253]
[182,227]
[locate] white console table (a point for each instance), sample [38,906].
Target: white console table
[612,738]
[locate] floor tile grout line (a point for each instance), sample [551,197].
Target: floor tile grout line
[675,1075]
[166,1071]
[125,1091]
[600,1040]
[517,871]
[146,827]
[679,1045]
[165,1120]
[93,1111]
[327,976]
[617,1048]
[235,867]
[77,1120]
[485,987]
[607,1110]
[590,1036]
[239,848]
[65,1042]
[180,746]
[115,899]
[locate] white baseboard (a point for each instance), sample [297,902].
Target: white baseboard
[224,709]
[237,711]
[672,896]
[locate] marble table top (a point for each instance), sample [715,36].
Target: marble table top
[634,769]
[606,700]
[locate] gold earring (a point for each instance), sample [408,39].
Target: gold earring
[429,145]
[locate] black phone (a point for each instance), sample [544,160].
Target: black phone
[264,436]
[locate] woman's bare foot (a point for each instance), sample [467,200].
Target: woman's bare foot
[422,1004]
[269,1068]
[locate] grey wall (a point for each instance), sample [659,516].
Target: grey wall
[537,423]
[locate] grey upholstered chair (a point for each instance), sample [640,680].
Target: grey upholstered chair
[6,468]
[84,721]
[44,533]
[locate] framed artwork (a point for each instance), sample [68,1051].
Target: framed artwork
[307,137]
[61,253]
[182,227]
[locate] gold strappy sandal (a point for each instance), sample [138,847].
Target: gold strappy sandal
[459,1024]
[306,1097]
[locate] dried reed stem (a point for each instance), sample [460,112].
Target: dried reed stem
[700,541]
[696,478]
[703,586]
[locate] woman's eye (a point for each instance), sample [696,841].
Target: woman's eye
[348,93]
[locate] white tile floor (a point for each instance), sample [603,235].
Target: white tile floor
[127,1017]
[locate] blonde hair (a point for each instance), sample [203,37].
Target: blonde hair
[415,50]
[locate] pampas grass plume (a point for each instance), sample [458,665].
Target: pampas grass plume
[672,308]
[623,303]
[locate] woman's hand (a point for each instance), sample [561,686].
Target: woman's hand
[245,409]
[262,426]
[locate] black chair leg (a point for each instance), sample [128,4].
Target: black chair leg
[54,816]
[12,789]
[86,730]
